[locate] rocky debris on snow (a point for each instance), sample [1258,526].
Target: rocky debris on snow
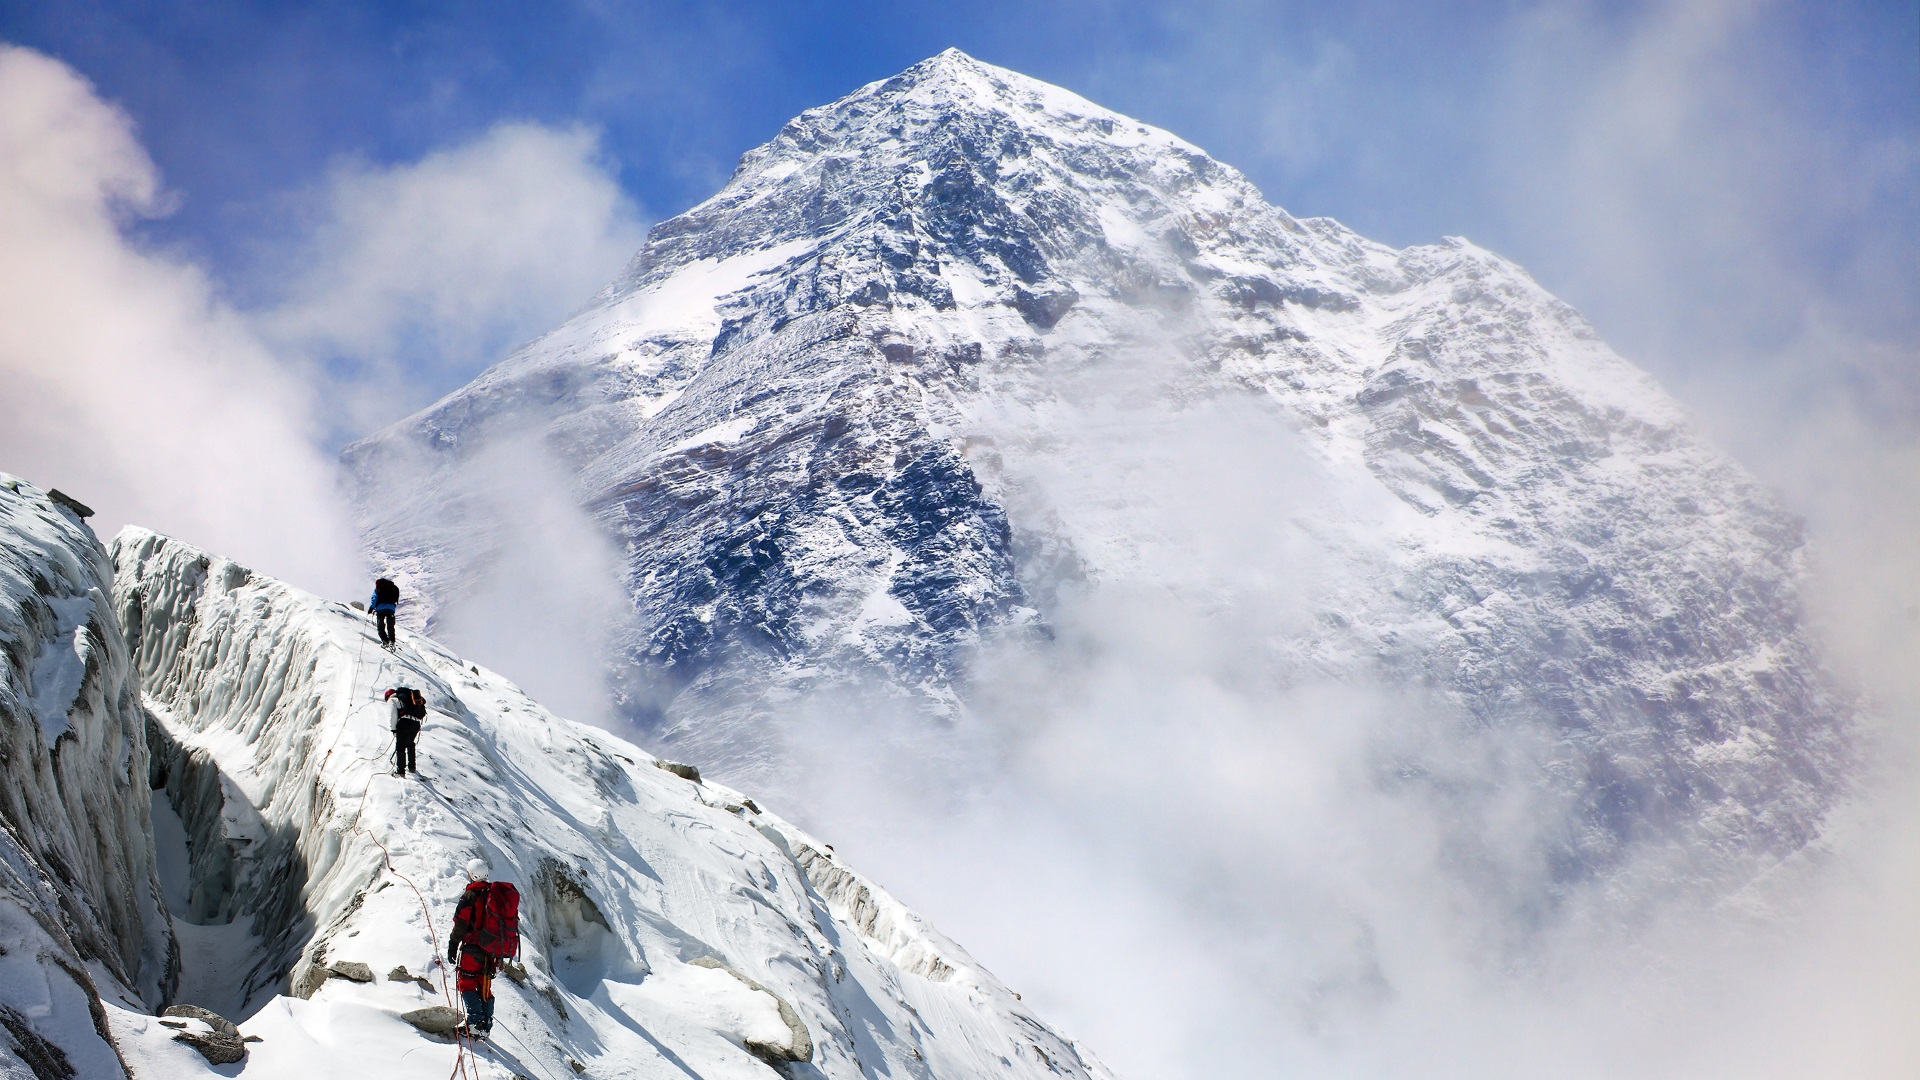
[435,1019]
[217,1039]
[401,974]
[680,769]
[212,1019]
[80,509]
[350,970]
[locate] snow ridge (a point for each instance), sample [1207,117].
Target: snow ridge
[670,926]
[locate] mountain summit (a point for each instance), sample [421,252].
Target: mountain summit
[956,353]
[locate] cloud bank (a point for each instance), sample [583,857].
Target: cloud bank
[128,382]
[1185,848]
[135,381]
[401,282]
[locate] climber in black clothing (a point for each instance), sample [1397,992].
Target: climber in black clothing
[409,710]
[385,601]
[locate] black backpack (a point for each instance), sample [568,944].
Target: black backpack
[386,591]
[413,704]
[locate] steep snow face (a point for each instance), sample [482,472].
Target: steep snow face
[80,912]
[670,927]
[887,398]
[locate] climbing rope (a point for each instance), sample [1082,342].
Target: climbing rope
[353,693]
[463,1053]
[529,1051]
[433,936]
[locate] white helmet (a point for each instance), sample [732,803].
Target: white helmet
[476,869]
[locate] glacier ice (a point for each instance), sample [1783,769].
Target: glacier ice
[83,927]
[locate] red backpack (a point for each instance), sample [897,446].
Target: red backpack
[496,921]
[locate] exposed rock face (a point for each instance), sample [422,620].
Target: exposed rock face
[79,892]
[351,970]
[817,412]
[217,1039]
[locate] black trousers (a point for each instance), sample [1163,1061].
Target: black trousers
[383,622]
[403,760]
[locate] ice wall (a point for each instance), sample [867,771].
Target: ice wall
[81,916]
[671,927]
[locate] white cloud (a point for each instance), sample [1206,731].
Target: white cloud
[133,383]
[407,279]
[1701,190]
[543,602]
[126,381]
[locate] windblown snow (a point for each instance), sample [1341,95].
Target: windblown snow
[671,926]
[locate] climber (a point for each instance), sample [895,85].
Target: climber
[409,712]
[486,930]
[383,604]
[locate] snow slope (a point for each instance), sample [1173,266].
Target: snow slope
[81,918]
[669,925]
[896,393]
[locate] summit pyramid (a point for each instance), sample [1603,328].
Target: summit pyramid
[953,353]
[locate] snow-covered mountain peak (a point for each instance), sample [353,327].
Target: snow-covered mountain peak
[952,143]
[955,353]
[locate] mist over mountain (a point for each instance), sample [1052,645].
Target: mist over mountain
[896,395]
[1008,485]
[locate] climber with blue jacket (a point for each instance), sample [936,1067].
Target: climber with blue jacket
[383,604]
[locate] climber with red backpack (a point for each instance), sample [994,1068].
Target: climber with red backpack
[486,930]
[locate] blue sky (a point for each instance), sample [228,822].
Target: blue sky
[1399,119]
[383,199]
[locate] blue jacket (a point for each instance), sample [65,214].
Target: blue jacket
[374,604]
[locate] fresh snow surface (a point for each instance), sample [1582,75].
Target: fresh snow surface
[667,925]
